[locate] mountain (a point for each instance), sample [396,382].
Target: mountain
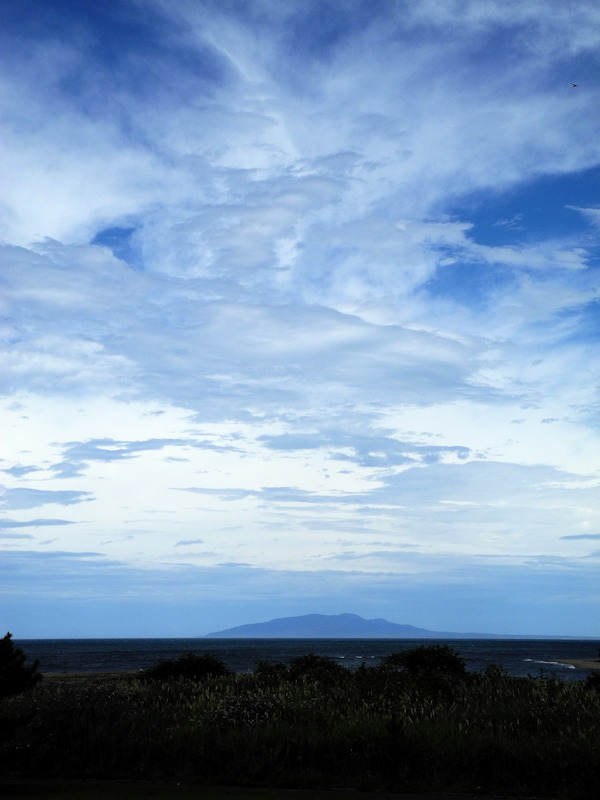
[339,626]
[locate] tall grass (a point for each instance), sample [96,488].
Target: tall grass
[317,726]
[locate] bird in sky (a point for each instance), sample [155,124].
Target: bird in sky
[574,85]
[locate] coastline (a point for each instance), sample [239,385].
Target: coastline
[73,678]
[581,663]
[567,660]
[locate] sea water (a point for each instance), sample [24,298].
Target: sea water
[519,657]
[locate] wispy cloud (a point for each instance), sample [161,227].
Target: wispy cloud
[188,542]
[32,498]
[77,456]
[33,523]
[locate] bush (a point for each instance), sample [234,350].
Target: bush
[271,673]
[593,679]
[15,677]
[427,660]
[190,666]
[317,669]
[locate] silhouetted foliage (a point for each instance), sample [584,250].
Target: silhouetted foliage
[271,673]
[427,660]
[495,673]
[15,676]
[190,666]
[436,669]
[593,679]
[318,669]
[406,727]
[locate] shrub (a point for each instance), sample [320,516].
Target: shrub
[593,679]
[190,666]
[317,669]
[271,673]
[427,660]
[15,677]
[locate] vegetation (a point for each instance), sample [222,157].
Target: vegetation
[193,667]
[593,679]
[405,725]
[15,676]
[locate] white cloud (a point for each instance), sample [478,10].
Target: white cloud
[297,325]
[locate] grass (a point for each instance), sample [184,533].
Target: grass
[116,791]
[314,725]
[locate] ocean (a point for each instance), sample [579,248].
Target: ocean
[519,657]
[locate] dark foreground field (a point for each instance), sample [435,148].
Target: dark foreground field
[426,726]
[128,791]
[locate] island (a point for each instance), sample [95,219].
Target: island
[336,626]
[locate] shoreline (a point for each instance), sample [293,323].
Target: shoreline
[590,664]
[580,663]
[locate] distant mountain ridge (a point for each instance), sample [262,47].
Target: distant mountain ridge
[335,626]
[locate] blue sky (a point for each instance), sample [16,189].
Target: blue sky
[300,313]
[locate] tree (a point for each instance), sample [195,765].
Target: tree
[15,676]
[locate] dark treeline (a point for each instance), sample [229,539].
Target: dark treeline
[416,722]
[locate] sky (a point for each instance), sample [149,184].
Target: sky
[299,314]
